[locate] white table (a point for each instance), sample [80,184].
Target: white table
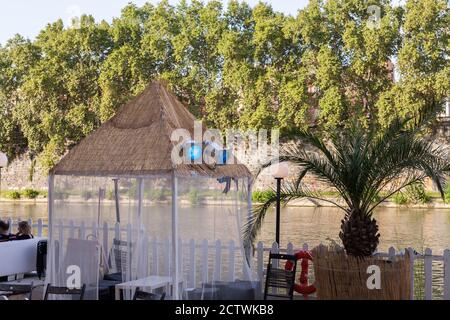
[148,284]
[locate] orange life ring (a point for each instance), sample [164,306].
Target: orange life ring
[303,288]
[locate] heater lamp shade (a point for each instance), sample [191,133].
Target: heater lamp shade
[280,170]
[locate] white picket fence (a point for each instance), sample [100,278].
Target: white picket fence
[196,263]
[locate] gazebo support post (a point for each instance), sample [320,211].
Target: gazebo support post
[249,199]
[175,271]
[117,198]
[51,200]
[140,197]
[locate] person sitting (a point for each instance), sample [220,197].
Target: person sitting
[24,231]
[4,232]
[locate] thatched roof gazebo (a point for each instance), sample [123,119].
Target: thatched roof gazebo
[136,141]
[130,158]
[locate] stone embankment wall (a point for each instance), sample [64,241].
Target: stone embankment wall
[17,175]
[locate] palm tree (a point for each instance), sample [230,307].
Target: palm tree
[366,168]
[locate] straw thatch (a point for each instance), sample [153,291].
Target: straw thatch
[342,277]
[136,142]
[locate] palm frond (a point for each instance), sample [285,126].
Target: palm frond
[361,165]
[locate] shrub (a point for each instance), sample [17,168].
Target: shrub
[43,194]
[262,196]
[412,194]
[158,194]
[13,195]
[416,193]
[447,193]
[30,193]
[194,197]
[400,199]
[110,195]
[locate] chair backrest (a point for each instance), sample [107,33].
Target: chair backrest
[17,289]
[118,257]
[280,283]
[142,295]
[64,291]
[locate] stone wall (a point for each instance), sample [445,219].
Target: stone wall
[17,175]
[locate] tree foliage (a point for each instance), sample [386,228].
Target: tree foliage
[233,66]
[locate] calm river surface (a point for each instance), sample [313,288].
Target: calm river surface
[399,227]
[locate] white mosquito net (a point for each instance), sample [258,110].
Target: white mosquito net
[120,235]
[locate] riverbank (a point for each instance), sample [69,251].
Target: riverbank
[435,203]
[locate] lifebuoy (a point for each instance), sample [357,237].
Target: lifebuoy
[303,287]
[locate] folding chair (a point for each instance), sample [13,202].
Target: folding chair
[280,282]
[64,291]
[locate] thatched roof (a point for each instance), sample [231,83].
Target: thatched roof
[136,142]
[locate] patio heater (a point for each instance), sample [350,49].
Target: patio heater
[3,164]
[279,172]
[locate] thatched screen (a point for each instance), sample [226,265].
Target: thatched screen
[343,277]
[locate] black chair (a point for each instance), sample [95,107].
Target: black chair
[64,291]
[41,258]
[120,255]
[9,290]
[118,260]
[142,295]
[280,282]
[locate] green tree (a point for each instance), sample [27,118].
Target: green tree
[346,58]
[423,61]
[59,98]
[128,69]
[16,58]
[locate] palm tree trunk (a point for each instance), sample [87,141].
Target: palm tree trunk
[359,234]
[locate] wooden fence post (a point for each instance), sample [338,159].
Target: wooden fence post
[167,249]
[40,228]
[82,234]
[290,248]
[428,274]
[155,258]
[192,280]
[105,240]
[231,263]
[71,229]
[260,261]
[218,262]
[205,260]
[411,270]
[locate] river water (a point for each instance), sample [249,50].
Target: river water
[399,227]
